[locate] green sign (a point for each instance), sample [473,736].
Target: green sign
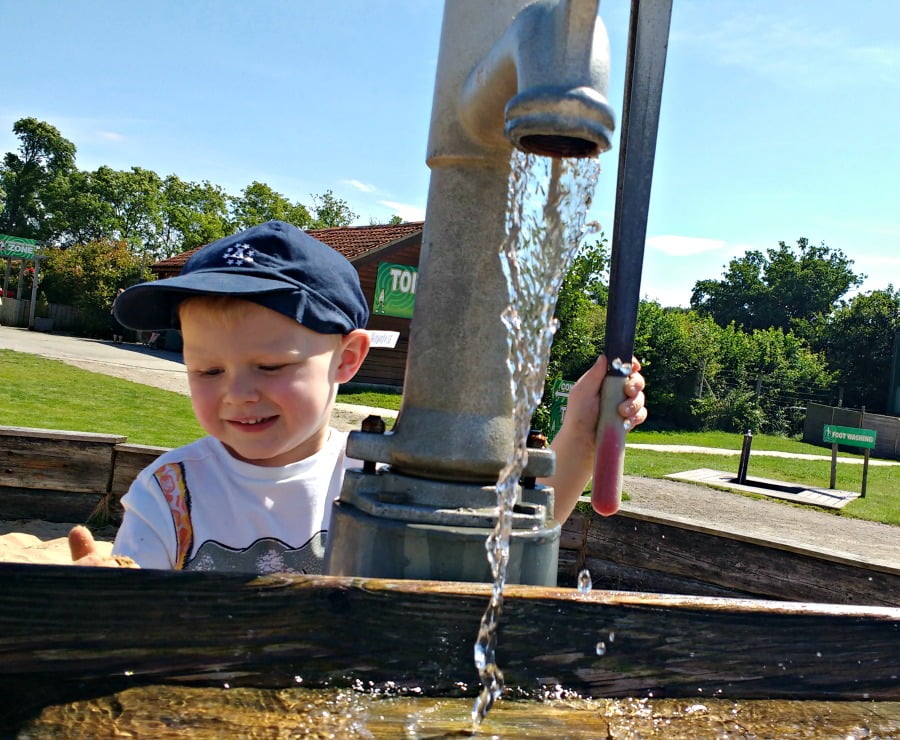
[395,290]
[17,247]
[560,399]
[850,436]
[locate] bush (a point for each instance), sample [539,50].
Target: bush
[87,276]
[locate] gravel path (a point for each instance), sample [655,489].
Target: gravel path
[702,506]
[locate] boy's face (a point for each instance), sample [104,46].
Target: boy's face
[263,384]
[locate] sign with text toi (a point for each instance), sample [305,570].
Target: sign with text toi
[395,290]
[559,401]
[17,247]
[850,436]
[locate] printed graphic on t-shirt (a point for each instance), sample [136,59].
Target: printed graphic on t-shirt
[266,555]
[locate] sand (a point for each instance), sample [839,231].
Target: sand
[44,543]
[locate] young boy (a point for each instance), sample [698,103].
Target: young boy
[272,322]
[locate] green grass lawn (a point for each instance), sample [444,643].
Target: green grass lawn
[44,393]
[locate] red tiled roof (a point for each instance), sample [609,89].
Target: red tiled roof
[351,241]
[355,241]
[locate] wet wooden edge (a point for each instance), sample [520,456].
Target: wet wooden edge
[68,632]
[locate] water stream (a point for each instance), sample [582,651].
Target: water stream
[547,206]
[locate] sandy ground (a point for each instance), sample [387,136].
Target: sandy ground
[36,541]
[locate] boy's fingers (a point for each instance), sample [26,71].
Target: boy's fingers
[81,542]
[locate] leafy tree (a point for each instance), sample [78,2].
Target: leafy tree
[756,380]
[580,321]
[193,214]
[777,289]
[580,312]
[677,349]
[331,211]
[44,156]
[858,342]
[259,203]
[87,276]
[113,205]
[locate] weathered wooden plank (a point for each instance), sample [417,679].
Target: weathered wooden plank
[61,461]
[51,506]
[619,577]
[767,569]
[67,631]
[128,461]
[60,434]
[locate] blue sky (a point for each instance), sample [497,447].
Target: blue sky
[779,120]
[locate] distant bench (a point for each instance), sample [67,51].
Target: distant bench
[63,476]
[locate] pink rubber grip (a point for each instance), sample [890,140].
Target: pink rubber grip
[606,493]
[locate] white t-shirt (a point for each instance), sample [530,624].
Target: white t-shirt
[198,508]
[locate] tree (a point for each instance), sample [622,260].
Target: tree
[580,321]
[87,276]
[259,203]
[783,288]
[194,214]
[331,211]
[858,341]
[677,349]
[44,156]
[758,379]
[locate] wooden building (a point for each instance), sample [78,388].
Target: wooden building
[365,247]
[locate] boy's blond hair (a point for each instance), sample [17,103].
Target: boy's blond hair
[224,309]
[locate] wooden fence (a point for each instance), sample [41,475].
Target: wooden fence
[887,428]
[15,312]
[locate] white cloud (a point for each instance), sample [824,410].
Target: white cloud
[361,186]
[110,136]
[684,246]
[789,46]
[404,210]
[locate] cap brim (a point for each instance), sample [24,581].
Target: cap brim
[152,306]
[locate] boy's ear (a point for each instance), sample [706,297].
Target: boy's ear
[353,350]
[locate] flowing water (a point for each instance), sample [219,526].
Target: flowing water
[545,222]
[173,711]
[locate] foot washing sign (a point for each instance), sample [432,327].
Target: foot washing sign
[395,290]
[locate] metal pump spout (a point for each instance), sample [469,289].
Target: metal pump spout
[543,85]
[510,72]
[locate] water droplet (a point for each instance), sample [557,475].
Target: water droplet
[601,648]
[584,582]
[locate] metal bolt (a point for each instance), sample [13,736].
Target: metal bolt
[372,424]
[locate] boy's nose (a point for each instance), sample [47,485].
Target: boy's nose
[241,389]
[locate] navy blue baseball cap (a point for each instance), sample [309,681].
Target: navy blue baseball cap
[275,265]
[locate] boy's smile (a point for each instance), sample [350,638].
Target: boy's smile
[263,384]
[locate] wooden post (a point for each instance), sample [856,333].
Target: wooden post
[833,466]
[745,457]
[862,493]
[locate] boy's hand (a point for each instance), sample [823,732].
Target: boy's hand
[583,405]
[85,551]
[575,444]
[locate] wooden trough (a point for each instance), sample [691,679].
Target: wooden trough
[698,617]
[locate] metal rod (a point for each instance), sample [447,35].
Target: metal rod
[648,39]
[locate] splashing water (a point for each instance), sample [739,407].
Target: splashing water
[585,583]
[547,204]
